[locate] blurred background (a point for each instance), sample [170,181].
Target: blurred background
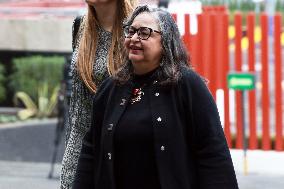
[243,38]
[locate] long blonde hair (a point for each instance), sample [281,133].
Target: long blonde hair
[88,43]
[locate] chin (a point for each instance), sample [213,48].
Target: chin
[95,2]
[137,62]
[135,58]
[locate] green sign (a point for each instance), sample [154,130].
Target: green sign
[241,81]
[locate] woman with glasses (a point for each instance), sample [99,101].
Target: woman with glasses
[96,55]
[155,125]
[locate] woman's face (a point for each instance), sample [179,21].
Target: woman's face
[145,54]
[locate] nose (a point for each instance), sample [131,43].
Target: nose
[135,37]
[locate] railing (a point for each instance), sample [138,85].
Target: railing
[214,53]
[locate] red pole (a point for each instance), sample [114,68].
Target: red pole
[265,87]
[186,36]
[219,52]
[206,47]
[251,93]
[225,70]
[278,80]
[238,67]
[200,67]
[213,63]
[192,45]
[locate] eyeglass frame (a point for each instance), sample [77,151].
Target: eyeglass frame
[136,30]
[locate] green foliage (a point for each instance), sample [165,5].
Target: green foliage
[212,2]
[280,6]
[31,73]
[243,6]
[45,106]
[36,81]
[247,6]
[2,81]
[235,5]
[8,118]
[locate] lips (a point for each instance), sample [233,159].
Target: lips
[133,47]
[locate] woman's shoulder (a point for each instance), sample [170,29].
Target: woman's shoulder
[79,18]
[190,76]
[103,90]
[194,83]
[106,85]
[77,30]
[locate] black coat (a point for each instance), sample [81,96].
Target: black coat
[190,148]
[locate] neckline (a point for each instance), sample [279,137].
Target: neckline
[101,29]
[145,75]
[146,78]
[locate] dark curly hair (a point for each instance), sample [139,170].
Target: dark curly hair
[174,52]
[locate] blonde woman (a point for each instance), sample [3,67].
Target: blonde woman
[96,56]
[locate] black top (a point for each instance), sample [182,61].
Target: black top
[189,144]
[134,158]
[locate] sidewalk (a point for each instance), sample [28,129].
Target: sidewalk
[28,169]
[265,169]
[27,123]
[260,162]
[27,175]
[26,150]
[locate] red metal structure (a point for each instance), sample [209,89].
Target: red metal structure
[252,97]
[210,56]
[265,83]
[278,81]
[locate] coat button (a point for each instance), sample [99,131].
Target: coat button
[122,103]
[109,155]
[159,119]
[157,94]
[110,126]
[162,148]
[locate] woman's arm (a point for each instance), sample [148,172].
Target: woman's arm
[214,165]
[84,177]
[78,124]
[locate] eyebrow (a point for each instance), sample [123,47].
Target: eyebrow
[136,27]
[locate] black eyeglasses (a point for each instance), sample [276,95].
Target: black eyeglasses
[143,32]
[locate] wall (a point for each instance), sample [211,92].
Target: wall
[46,35]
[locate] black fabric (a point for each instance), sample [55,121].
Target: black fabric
[76,26]
[147,78]
[189,144]
[134,159]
